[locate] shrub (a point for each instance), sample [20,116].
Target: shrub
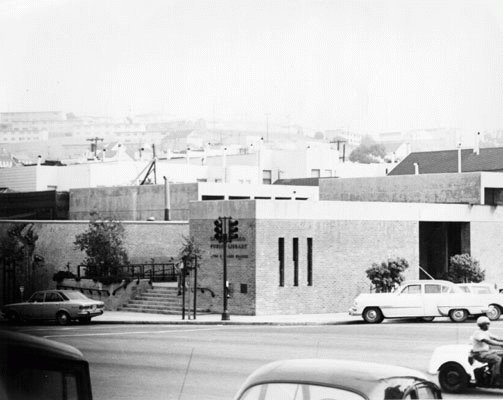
[464,269]
[386,275]
[103,245]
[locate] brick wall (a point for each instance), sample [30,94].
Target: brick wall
[143,241]
[342,251]
[487,247]
[132,203]
[426,188]
[240,255]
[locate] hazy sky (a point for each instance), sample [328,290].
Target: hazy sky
[366,65]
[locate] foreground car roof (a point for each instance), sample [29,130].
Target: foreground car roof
[15,341]
[361,376]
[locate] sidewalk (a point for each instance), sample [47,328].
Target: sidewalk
[124,317]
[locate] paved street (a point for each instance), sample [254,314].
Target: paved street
[210,362]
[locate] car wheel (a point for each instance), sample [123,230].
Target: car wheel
[63,318]
[372,315]
[85,320]
[494,312]
[452,378]
[458,315]
[426,319]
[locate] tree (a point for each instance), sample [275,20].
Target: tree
[18,248]
[103,245]
[190,250]
[368,152]
[464,269]
[386,275]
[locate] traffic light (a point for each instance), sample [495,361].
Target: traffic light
[218,230]
[233,229]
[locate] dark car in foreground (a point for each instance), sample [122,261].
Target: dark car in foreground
[33,368]
[321,379]
[62,306]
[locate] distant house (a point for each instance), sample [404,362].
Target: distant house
[435,162]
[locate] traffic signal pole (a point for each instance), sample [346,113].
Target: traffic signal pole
[226,230]
[225,313]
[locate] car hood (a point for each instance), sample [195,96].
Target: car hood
[15,304]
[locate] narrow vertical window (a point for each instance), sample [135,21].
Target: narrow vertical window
[281,258]
[309,261]
[295,261]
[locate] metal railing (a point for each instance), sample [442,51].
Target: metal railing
[156,272]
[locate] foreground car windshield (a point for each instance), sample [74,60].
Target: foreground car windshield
[75,296]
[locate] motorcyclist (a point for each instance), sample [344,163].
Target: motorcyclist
[481,341]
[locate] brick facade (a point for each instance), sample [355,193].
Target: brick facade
[342,251]
[143,241]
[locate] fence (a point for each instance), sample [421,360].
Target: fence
[156,272]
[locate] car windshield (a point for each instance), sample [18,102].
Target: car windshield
[75,296]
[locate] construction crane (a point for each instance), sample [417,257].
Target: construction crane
[150,168]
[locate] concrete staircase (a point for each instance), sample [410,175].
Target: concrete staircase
[159,300]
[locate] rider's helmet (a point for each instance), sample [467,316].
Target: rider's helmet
[483,320]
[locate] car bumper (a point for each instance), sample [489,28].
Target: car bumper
[353,311]
[89,313]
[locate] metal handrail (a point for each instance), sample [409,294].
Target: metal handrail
[156,272]
[82,289]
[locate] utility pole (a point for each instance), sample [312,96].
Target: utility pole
[94,144]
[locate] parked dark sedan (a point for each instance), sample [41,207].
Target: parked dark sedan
[60,305]
[320,379]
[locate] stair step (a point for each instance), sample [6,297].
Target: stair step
[159,300]
[148,297]
[158,311]
[160,303]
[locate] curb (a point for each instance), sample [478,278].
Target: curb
[221,323]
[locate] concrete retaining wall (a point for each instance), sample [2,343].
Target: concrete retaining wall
[427,188]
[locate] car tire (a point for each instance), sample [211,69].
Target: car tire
[85,320]
[426,319]
[372,315]
[452,378]
[458,315]
[494,312]
[63,318]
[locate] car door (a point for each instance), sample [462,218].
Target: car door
[432,296]
[407,303]
[33,309]
[52,305]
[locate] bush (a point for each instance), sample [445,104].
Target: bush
[104,248]
[464,269]
[388,274]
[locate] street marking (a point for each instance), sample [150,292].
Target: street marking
[131,333]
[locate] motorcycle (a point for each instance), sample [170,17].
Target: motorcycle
[458,370]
